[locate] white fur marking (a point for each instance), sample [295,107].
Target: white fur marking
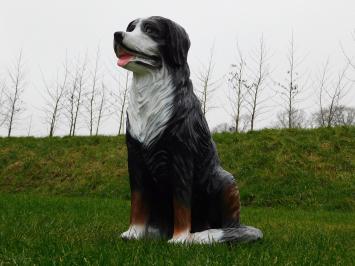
[182,238]
[150,104]
[134,232]
[207,236]
[151,96]
[139,41]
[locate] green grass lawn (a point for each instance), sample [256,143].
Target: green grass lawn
[56,230]
[65,201]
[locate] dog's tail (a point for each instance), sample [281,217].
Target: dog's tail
[242,233]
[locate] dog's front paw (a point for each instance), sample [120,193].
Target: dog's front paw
[134,232]
[184,238]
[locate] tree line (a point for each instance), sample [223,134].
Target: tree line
[80,93]
[251,84]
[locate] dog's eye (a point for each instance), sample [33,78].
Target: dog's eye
[149,29]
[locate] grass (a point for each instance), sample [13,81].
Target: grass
[285,168]
[60,230]
[66,200]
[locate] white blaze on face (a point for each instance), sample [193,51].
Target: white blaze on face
[137,40]
[140,41]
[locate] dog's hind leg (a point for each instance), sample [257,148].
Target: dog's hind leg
[231,230]
[230,206]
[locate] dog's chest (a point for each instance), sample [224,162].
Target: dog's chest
[150,107]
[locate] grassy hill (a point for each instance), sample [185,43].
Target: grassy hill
[298,186]
[308,168]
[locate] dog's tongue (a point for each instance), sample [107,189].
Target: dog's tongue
[124,59]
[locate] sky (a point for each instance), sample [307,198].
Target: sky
[48,31]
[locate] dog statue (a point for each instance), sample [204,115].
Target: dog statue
[178,188]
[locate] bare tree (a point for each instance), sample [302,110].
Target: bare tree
[290,91]
[330,92]
[81,80]
[257,79]
[345,116]
[237,82]
[2,103]
[342,116]
[322,81]
[350,60]
[119,99]
[75,94]
[91,104]
[207,84]
[298,119]
[123,103]
[54,99]
[14,93]
[102,107]
[70,104]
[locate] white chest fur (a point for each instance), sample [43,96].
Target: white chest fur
[150,105]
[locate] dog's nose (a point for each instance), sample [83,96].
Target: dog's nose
[118,36]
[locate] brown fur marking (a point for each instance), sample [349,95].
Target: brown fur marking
[231,203]
[182,218]
[139,209]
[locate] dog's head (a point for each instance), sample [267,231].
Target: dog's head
[148,44]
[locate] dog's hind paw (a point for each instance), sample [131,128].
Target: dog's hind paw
[134,232]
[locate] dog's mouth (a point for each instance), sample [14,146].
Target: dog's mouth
[126,55]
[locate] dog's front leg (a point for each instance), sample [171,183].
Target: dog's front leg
[182,223]
[139,217]
[140,204]
[182,175]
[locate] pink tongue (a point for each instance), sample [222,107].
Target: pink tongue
[124,60]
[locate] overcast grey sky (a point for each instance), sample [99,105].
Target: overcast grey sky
[47,30]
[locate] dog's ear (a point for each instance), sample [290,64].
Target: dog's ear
[177,45]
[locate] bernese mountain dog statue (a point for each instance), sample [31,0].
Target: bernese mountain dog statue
[179,191]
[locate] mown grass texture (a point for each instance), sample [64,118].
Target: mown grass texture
[57,230]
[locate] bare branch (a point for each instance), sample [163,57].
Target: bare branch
[3,107]
[330,93]
[206,83]
[237,84]
[55,97]
[91,104]
[102,107]
[14,94]
[75,93]
[257,85]
[123,104]
[290,91]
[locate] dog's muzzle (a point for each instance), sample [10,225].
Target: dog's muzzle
[128,55]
